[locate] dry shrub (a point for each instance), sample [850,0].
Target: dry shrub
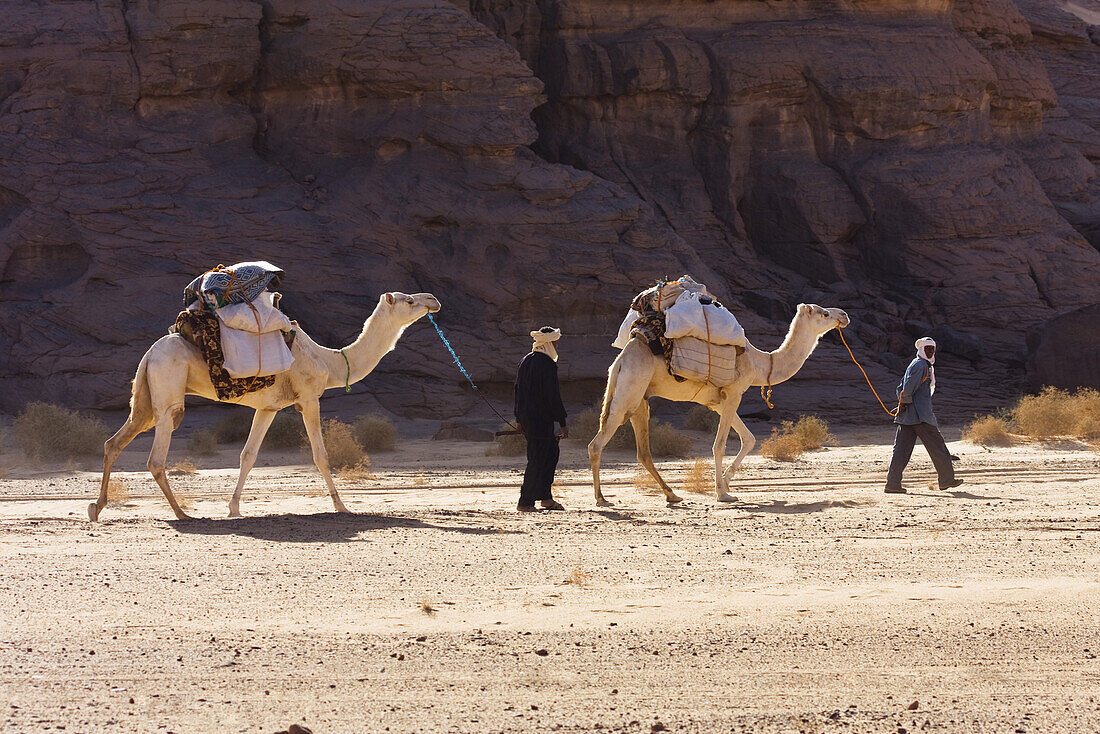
[987,430]
[697,479]
[375,432]
[701,418]
[202,444]
[185,467]
[812,432]
[579,577]
[644,482]
[234,427]
[46,430]
[1055,412]
[783,444]
[344,451]
[427,608]
[118,494]
[286,432]
[511,445]
[585,424]
[664,440]
[358,473]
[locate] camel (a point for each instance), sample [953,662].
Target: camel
[637,375]
[174,368]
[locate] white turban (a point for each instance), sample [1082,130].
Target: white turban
[544,340]
[920,344]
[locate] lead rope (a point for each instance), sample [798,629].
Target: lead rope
[466,374]
[865,377]
[768,397]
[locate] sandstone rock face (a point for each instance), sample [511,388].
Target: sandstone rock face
[928,167]
[1074,333]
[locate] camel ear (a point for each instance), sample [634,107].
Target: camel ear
[804,308]
[389,298]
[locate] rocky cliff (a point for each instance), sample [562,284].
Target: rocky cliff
[929,167]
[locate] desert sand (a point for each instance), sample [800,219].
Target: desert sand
[816,603]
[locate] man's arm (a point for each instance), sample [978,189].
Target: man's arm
[914,376]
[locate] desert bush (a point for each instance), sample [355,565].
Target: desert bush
[203,443]
[357,473]
[185,467]
[118,493]
[46,430]
[234,427]
[664,440]
[698,477]
[510,445]
[584,425]
[287,431]
[701,418]
[783,444]
[644,482]
[375,432]
[1055,412]
[988,430]
[812,432]
[344,451]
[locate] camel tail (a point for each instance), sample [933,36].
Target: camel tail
[141,402]
[609,393]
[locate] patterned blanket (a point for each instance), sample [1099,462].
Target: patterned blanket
[240,283]
[202,329]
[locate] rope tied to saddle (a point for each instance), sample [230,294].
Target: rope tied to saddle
[768,396]
[458,363]
[865,377]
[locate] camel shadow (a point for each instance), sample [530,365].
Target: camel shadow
[783,508]
[326,527]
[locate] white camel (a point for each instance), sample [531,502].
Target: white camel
[174,368]
[637,375]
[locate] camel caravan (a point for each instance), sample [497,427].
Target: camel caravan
[232,344]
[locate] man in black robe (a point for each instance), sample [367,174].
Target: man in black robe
[538,407]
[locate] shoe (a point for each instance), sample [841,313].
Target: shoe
[526,508]
[552,505]
[953,484]
[896,490]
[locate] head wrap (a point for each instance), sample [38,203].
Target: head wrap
[544,340]
[920,344]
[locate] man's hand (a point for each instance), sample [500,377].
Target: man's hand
[519,426]
[565,431]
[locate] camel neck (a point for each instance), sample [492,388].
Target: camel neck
[784,362]
[355,361]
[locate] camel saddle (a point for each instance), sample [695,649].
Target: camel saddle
[699,360]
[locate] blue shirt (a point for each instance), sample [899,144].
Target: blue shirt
[915,395]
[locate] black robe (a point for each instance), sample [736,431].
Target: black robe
[538,407]
[538,396]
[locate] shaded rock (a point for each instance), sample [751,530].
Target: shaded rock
[1065,351]
[455,431]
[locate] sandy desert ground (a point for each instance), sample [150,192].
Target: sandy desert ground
[817,603]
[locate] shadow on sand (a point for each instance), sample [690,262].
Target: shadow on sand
[783,508]
[327,527]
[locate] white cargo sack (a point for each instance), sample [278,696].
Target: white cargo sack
[697,360]
[252,338]
[690,317]
[624,330]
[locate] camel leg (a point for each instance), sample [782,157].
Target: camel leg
[748,442]
[158,456]
[615,418]
[311,416]
[261,421]
[112,447]
[640,421]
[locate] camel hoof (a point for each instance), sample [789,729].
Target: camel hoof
[341,508]
[93,512]
[673,499]
[601,502]
[726,498]
[235,513]
[183,516]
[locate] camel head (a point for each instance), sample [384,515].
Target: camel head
[821,319]
[407,308]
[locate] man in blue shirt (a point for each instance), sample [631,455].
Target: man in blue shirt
[915,419]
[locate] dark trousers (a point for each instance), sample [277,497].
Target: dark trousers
[933,442]
[542,460]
